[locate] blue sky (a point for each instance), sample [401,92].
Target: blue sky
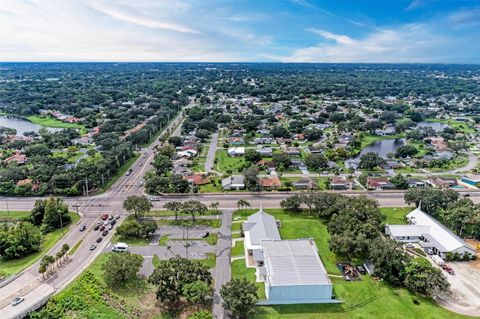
[221,30]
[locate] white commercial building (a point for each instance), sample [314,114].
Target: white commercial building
[294,274]
[259,226]
[428,232]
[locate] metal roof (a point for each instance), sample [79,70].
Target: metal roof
[261,226]
[443,237]
[294,263]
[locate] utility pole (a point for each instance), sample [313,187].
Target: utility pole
[86,186]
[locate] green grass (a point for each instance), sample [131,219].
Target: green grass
[131,241]
[236,235]
[49,121]
[163,241]
[238,249]
[226,162]
[14,266]
[156,261]
[395,215]
[240,270]
[75,247]
[237,226]
[209,261]
[464,127]
[13,215]
[367,298]
[169,213]
[212,239]
[214,223]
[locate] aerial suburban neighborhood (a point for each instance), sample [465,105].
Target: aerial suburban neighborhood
[327,166]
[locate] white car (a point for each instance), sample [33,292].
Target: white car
[17,301]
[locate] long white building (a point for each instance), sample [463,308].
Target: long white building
[428,232]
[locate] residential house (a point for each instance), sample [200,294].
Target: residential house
[17,158]
[340,183]
[441,182]
[306,183]
[379,183]
[197,179]
[236,182]
[292,151]
[236,151]
[416,183]
[265,152]
[263,140]
[428,232]
[473,180]
[270,183]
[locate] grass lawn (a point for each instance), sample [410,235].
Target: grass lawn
[131,242]
[163,241]
[209,261]
[212,239]
[226,162]
[214,223]
[168,213]
[239,249]
[464,127]
[236,235]
[237,226]
[13,215]
[367,298]
[211,188]
[14,266]
[49,121]
[75,247]
[240,270]
[396,215]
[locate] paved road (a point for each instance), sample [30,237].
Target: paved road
[29,284]
[210,161]
[222,268]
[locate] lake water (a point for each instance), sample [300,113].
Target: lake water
[437,127]
[384,147]
[22,125]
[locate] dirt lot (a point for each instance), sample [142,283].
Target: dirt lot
[465,286]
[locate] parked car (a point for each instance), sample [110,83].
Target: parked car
[448,269]
[409,245]
[113,222]
[96,227]
[102,228]
[99,239]
[144,156]
[205,234]
[429,250]
[105,223]
[93,246]
[104,216]
[117,216]
[83,227]
[105,232]
[110,217]
[17,301]
[110,227]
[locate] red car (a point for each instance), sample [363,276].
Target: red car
[104,216]
[448,269]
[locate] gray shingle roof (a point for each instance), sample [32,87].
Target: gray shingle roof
[261,226]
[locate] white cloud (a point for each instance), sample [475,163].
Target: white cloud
[409,43]
[130,15]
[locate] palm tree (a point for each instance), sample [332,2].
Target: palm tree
[214,206]
[175,207]
[242,204]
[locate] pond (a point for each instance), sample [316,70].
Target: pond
[384,147]
[436,126]
[22,125]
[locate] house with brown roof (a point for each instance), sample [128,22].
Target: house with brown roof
[17,157]
[270,183]
[340,183]
[439,182]
[379,183]
[306,183]
[197,179]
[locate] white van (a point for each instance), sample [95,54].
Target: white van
[438,260]
[119,247]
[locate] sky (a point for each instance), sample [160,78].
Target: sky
[389,31]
